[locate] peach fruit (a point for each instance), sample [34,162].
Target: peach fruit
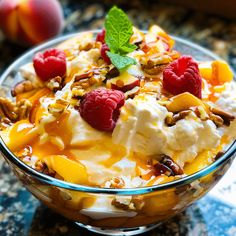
[30,22]
[216,73]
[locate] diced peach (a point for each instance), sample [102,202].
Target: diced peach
[160,204]
[216,73]
[21,134]
[72,171]
[221,72]
[183,101]
[205,70]
[30,21]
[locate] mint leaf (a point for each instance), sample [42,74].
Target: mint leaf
[118,29]
[121,62]
[127,48]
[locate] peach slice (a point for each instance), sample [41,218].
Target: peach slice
[21,134]
[183,102]
[72,171]
[216,73]
[221,72]
[124,82]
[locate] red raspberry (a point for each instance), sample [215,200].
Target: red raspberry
[50,64]
[182,75]
[101,108]
[104,50]
[101,36]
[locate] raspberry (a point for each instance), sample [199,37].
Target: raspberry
[101,108]
[104,50]
[101,36]
[50,64]
[183,75]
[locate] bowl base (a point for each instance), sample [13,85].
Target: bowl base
[120,232]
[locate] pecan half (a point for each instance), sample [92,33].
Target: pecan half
[155,70]
[226,116]
[4,123]
[8,109]
[216,119]
[169,162]
[161,169]
[22,87]
[172,119]
[24,107]
[83,76]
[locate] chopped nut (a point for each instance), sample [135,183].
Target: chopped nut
[201,113]
[86,46]
[8,109]
[217,120]
[83,76]
[161,169]
[55,84]
[177,170]
[155,70]
[40,166]
[58,107]
[24,107]
[138,202]
[162,60]
[22,87]
[131,93]
[25,152]
[226,116]
[85,85]
[123,202]
[115,182]
[77,92]
[171,120]
[4,123]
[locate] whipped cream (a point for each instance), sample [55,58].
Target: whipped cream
[140,127]
[227,102]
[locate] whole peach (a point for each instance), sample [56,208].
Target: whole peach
[30,21]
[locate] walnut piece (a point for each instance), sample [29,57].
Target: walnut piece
[22,87]
[226,116]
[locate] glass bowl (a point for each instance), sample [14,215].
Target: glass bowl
[147,207]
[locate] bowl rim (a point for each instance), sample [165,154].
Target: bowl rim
[97,190]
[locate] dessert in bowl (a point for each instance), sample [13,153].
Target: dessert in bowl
[118,135]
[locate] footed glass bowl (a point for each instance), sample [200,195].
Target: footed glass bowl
[147,208]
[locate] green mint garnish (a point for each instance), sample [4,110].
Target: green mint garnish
[118,33]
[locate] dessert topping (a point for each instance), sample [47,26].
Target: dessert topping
[22,87]
[182,75]
[50,64]
[101,108]
[118,33]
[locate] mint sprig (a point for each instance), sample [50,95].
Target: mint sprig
[118,33]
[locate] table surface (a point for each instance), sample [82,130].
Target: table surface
[215,214]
